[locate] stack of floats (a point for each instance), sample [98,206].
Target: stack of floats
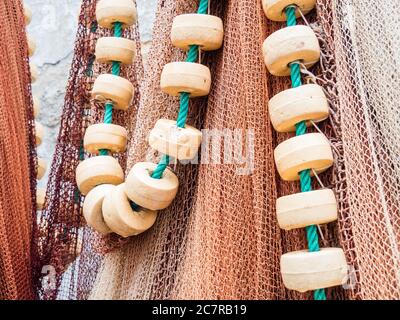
[39,129]
[130,208]
[298,158]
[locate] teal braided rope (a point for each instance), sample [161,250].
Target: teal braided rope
[305,176]
[291,15]
[108,115]
[183,110]
[295,75]
[103,152]
[182,116]
[203,7]
[192,56]
[77,193]
[161,167]
[116,65]
[115,70]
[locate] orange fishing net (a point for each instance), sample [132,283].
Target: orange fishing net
[18,157]
[220,238]
[62,235]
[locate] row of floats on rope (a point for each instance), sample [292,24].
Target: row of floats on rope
[301,270]
[129,207]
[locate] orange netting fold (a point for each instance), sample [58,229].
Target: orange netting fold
[18,157]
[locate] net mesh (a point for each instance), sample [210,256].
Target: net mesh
[70,252]
[367,49]
[220,238]
[18,157]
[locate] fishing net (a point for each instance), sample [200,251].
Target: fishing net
[367,48]
[220,238]
[70,252]
[18,157]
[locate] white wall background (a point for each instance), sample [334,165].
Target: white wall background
[53,27]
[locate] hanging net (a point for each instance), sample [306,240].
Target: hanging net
[220,238]
[18,157]
[366,45]
[69,251]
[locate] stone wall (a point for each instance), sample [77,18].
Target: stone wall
[53,27]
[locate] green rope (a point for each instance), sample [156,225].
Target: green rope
[183,110]
[103,152]
[305,176]
[182,115]
[291,15]
[77,193]
[116,65]
[94,26]
[295,75]
[116,71]
[203,7]
[116,68]
[161,167]
[192,56]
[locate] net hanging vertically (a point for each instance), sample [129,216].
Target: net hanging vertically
[69,251]
[18,158]
[220,238]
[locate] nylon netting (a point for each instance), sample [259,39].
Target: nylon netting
[367,49]
[18,157]
[220,238]
[69,251]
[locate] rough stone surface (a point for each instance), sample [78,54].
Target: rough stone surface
[53,27]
